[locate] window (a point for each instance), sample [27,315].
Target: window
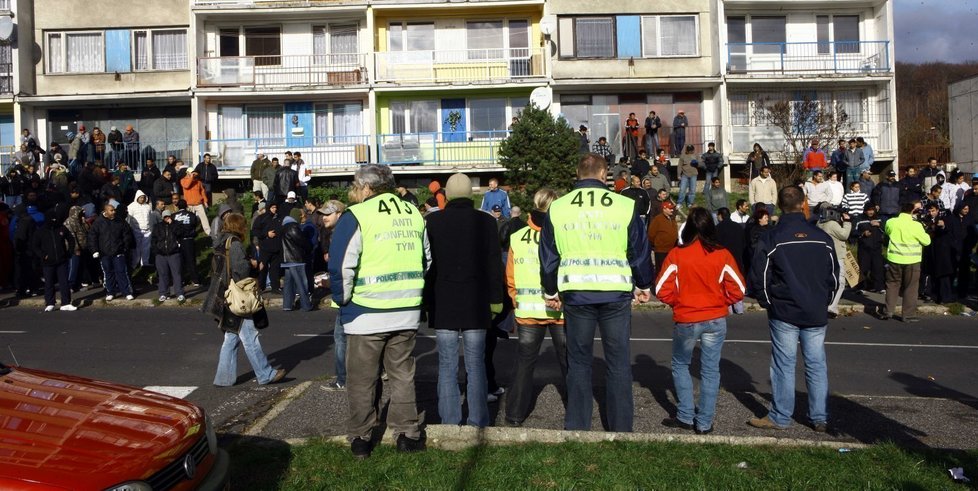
[265,44]
[739,110]
[414,117]
[737,43]
[76,52]
[673,35]
[845,28]
[162,49]
[336,45]
[411,37]
[770,33]
[822,33]
[339,122]
[265,122]
[487,115]
[484,40]
[587,37]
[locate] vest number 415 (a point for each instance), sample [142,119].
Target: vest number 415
[382,207]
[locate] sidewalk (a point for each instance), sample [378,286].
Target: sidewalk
[853,301]
[310,410]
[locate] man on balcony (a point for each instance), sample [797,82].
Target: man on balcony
[679,124]
[496,197]
[652,125]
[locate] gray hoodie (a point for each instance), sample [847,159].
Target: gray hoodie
[217,223]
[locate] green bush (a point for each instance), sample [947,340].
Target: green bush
[540,152]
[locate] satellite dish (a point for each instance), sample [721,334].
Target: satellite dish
[548,25]
[541,97]
[7,29]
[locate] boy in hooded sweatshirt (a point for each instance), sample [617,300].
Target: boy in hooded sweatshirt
[140,210]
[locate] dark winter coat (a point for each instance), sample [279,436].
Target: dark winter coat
[162,189]
[296,247]
[265,223]
[467,270]
[285,181]
[147,180]
[887,196]
[110,237]
[53,243]
[731,236]
[164,239]
[185,224]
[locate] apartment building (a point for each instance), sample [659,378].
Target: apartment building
[837,52]
[8,66]
[431,86]
[103,64]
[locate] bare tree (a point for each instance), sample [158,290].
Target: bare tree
[802,121]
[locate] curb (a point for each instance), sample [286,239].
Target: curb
[451,437]
[284,400]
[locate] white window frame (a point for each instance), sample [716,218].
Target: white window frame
[149,49]
[658,31]
[487,134]
[573,34]
[408,130]
[245,116]
[403,24]
[64,51]
[329,109]
[755,105]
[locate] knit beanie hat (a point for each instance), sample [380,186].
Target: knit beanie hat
[458,186]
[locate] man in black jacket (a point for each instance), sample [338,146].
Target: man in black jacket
[268,230]
[208,175]
[794,275]
[886,196]
[166,246]
[296,252]
[111,240]
[186,223]
[147,180]
[54,244]
[163,187]
[286,180]
[870,237]
[732,237]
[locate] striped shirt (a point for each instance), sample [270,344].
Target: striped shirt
[855,202]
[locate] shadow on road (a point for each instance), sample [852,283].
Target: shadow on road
[922,387]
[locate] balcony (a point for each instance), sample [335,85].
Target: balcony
[453,66]
[283,72]
[249,4]
[322,154]
[842,58]
[879,134]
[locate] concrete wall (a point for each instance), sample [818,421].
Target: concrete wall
[101,14]
[963,97]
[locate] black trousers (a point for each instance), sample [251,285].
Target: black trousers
[519,398]
[56,274]
[871,268]
[188,257]
[272,270]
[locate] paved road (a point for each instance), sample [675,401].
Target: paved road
[178,347]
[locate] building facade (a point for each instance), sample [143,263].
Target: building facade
[963,109]
[432,86]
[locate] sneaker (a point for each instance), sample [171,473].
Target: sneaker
[195,284]
[405,444]
[764,423]
[68,308]
[130,297]
[361,448]
[108,298]
[334,385]
[704,432]
[49,308]
[820,427]
[162,298]
[492,398]
[383,375]
[181,298]
[675,423]
[499,391]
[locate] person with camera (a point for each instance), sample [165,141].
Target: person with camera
[837,224]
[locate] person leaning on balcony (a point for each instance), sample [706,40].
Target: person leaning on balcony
[196,198]
[131,141]
[258,166]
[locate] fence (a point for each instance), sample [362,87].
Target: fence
[879,135]
[484,65]
[135,153]
[283,70]
[839,57]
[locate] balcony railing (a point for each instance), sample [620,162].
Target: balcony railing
[840,58]
[135,153]
[323,153]
[247,4]
[283,71]
[467,65]
[879,135]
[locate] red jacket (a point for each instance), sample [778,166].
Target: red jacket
[699,285]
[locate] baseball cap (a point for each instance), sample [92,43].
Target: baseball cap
[497,208]
[167,213]
[583,128]
[328,209]
[891,174]
[291,195]
[668,205]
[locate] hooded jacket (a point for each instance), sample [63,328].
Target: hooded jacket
[140,212]
[78,227]
[438,193]
[218,222]
[53,243]
[165,240]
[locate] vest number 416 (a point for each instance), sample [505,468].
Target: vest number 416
[579,200]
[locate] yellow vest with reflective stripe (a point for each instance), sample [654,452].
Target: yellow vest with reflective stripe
[391,271]
[525,245]
[907,240]
[591,232]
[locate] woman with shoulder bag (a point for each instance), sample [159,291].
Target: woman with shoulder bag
[230,260]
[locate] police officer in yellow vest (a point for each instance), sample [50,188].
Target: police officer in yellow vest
[533,317]
[594,260]
[377,260]
[907,239]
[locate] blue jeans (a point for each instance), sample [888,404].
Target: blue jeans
[687,187]
[784,350]
[339,349]
[709,177]
[614,320]
[852,175]
[227,365]
[116,275]
[476,387]
[295,282]
[711,335]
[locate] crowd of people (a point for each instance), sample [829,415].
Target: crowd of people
[573,266]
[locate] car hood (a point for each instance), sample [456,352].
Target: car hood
[74,432]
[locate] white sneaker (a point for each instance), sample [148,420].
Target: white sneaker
[162,298]
[49,308]
[68,308]
[181,298]
[492,398]
[130,297]
[108,298]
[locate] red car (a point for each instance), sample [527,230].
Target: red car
[64,432]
